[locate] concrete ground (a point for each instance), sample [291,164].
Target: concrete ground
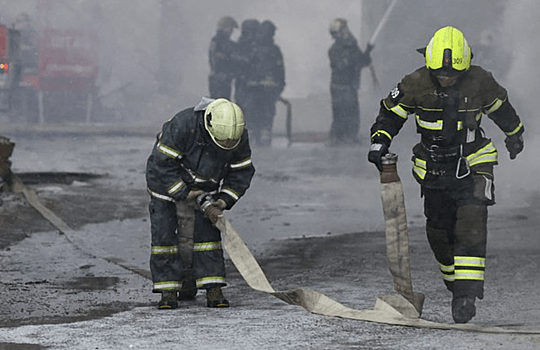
[312,218]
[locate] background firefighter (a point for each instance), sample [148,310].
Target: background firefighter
[346,62]
[265,81]
[223,57]
[246,42]
[200,165]
[454,160]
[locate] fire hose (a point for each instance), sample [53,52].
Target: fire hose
[390,309]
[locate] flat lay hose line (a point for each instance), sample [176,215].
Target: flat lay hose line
[252,273]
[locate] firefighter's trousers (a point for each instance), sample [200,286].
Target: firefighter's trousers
[173,224]
[346,114]
[457,231]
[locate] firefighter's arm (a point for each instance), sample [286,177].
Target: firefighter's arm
[392,115]
[505,117]
[168,154]
[239,175]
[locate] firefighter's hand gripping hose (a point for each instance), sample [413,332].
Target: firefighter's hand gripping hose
[252,273]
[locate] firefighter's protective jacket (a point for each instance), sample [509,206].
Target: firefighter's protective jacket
[448,120]
[186,158]
[347,61]
[223,57]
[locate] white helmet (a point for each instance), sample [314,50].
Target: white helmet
[224,121]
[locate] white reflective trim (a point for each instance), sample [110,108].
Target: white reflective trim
[469,261]
[400,111]
[515,130]
[241,164]
[201,180]
[486,158]
[471,135]
[167,286]
[230,193]
[157,250]
[208,280]
[159,196]
[449,278]
[498,102]
[419,167]
[420,172]
[204,246]
[484,155]
[168,151]
[438,125]
[446,268]
[382,132]
[469,275]
[488,190]
[176,187]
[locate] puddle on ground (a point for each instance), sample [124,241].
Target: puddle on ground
[92,283]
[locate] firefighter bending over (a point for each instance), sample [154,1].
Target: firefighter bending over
[200,165]
[454,160]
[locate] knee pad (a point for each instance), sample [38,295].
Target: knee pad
[471,225]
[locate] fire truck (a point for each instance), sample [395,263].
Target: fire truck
[60,84]
[10,66]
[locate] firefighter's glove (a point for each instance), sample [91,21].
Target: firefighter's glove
[514,145]
[215,210]
[193,194]
[376,152]
[369,48]
[204,200]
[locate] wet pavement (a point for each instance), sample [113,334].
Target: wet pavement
[312,218]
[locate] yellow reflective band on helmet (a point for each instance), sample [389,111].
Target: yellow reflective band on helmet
[163,250]
[420,168]
[171,152]
[382,132]
[242,164]
[469,261]
[171,285]
[516,130]
[454,40]
[206,246]
[487,154]
[209,280]
[476,275]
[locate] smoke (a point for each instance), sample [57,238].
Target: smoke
[521,30]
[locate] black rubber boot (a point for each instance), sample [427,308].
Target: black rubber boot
[215,298]
[188,291]
[168,300]
[463,309]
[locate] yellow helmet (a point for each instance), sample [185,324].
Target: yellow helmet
[224,121]
[448,49]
